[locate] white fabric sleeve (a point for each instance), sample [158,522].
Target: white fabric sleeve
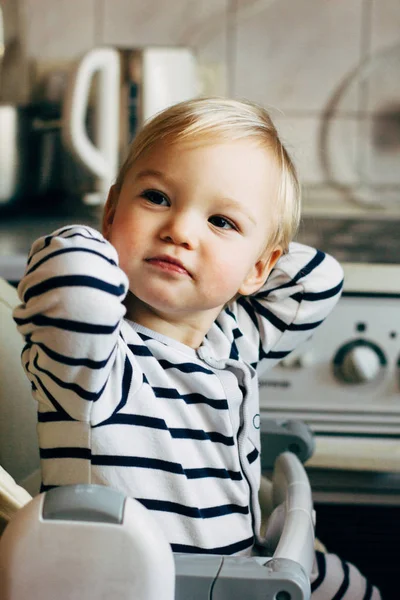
[70,315]
[337,579]
[299,294]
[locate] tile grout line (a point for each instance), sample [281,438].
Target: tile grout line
[231,45]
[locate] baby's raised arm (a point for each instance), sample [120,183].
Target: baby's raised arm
[70,315]
[299,294]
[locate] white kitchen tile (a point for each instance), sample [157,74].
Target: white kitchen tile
[322,152]
[294,55]
[385,26]
[382,67]
[199,25]
[59,30]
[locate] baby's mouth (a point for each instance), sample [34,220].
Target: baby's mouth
[168,264]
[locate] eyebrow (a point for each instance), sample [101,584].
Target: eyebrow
[235,205]
[152,173]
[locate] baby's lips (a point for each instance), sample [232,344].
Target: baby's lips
[169,260]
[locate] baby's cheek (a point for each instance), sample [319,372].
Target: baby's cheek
[227,280]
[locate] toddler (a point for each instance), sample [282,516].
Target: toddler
[144,344]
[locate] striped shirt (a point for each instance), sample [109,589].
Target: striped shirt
[121,405]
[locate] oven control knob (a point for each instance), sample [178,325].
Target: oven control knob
[359,362]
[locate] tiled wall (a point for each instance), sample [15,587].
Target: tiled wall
[328,69]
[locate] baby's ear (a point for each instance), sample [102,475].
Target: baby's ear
[109,211]
[259,272]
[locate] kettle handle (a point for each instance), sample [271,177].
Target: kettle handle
[101,159]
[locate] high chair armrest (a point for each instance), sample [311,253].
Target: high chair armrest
[290,527]
[281,436]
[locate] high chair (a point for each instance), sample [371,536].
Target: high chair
[89,542]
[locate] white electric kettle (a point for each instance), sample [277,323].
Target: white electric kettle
[133,85]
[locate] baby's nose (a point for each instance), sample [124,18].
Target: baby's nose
[181,230]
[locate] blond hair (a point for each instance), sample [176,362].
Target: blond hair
[214,119]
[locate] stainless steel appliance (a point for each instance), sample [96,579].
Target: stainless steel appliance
[133,85]
[19,158]
[18,149]
[71,137]
[345,383]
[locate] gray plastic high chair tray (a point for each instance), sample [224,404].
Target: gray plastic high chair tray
[201,577]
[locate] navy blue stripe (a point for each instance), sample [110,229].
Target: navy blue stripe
[315,296]
[218,324]
[237,333]
[129,419]
[75,362]
[46,488]
[193,511]
[244,303]
[48,453]
[253,455]
[61,281]
[298,296]
[46,392]
[263,294]
[67,251]
[206,472]
[276,354]
[68,325]
[199,434]
[138,461]
[184,367]
[310,266]
[173,394]
[234,351]
[269,315]
[345,583]
[139,350]
[126,384]
[26,348]
[60,234]
[321,565]
[176,432]
[78,234]
[47,240]
[163,465]
[230,549]
[53,417]
[368,591]
[304,326]
[73,387]
[144,336]
[231,314]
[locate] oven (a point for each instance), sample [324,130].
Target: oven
[345,383]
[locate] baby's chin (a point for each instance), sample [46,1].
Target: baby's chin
[137,308]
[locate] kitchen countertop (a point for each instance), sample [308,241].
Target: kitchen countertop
[18,232]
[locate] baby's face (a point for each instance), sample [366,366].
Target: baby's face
[191,225]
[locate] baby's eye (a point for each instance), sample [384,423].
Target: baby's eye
[221,222]
[155,197]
